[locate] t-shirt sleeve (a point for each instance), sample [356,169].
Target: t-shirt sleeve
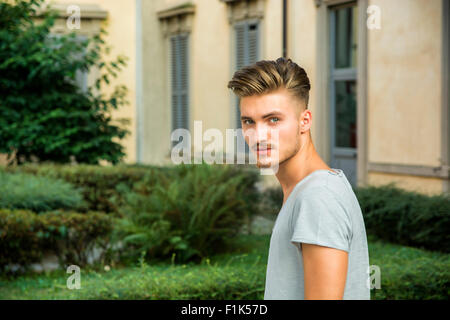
[320,218]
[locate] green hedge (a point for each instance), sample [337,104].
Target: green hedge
[25,236]
[39,194]
[101,186]
[104,187]
[406,273]
[405,217]
[186,210]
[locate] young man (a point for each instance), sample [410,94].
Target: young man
[318,248]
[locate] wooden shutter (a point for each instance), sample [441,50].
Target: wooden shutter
[180,81]
[253,43]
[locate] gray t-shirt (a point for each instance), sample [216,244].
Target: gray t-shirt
[322,209]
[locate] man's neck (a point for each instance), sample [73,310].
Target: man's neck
[292,171]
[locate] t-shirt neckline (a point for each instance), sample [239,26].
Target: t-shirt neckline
[338,172]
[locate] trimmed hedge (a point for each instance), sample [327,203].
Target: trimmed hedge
[406,217]
[25,236]
[39,194]
[104,187]
[406,273]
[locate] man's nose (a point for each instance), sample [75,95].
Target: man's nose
[262,132]
[258,135]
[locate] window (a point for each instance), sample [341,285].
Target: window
[81,76]
[343,74]
[179,81]
[343,84]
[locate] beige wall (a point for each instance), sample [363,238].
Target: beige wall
[404,88]
[404,83]
[210,60]
[303,49]
[155,86]
[425,185]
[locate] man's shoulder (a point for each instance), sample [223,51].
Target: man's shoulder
[327,187]
[318,185]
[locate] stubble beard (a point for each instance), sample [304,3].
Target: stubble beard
[289,153]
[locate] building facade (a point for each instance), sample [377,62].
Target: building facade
[378,70]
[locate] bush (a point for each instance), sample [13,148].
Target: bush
[198,282]
[409,273]
[39,194]
[72,236]
[25,236]
[272,200]
[103,187]
[406,273]
[19,240]
[407,218]
[190,217]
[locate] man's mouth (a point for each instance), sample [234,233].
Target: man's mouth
[263,150]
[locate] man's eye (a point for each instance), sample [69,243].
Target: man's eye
[245,121]
[277,119]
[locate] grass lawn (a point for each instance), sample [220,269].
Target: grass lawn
[406,273]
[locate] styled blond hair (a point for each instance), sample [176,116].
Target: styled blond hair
[266,76]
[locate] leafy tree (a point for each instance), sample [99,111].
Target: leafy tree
[44,115]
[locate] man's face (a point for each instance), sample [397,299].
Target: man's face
[271,126]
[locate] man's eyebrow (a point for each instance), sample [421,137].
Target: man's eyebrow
[275,113]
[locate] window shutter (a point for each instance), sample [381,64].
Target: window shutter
[184,82]
[180,82]
[253,42]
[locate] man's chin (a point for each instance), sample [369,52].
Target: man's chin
[265,163]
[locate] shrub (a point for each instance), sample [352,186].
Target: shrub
[25,236]
[19,240]
[72,236]
[405,217]
[273,200]
[406,273]
[190,217]
[26,191]
[409,273]
[103,187]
